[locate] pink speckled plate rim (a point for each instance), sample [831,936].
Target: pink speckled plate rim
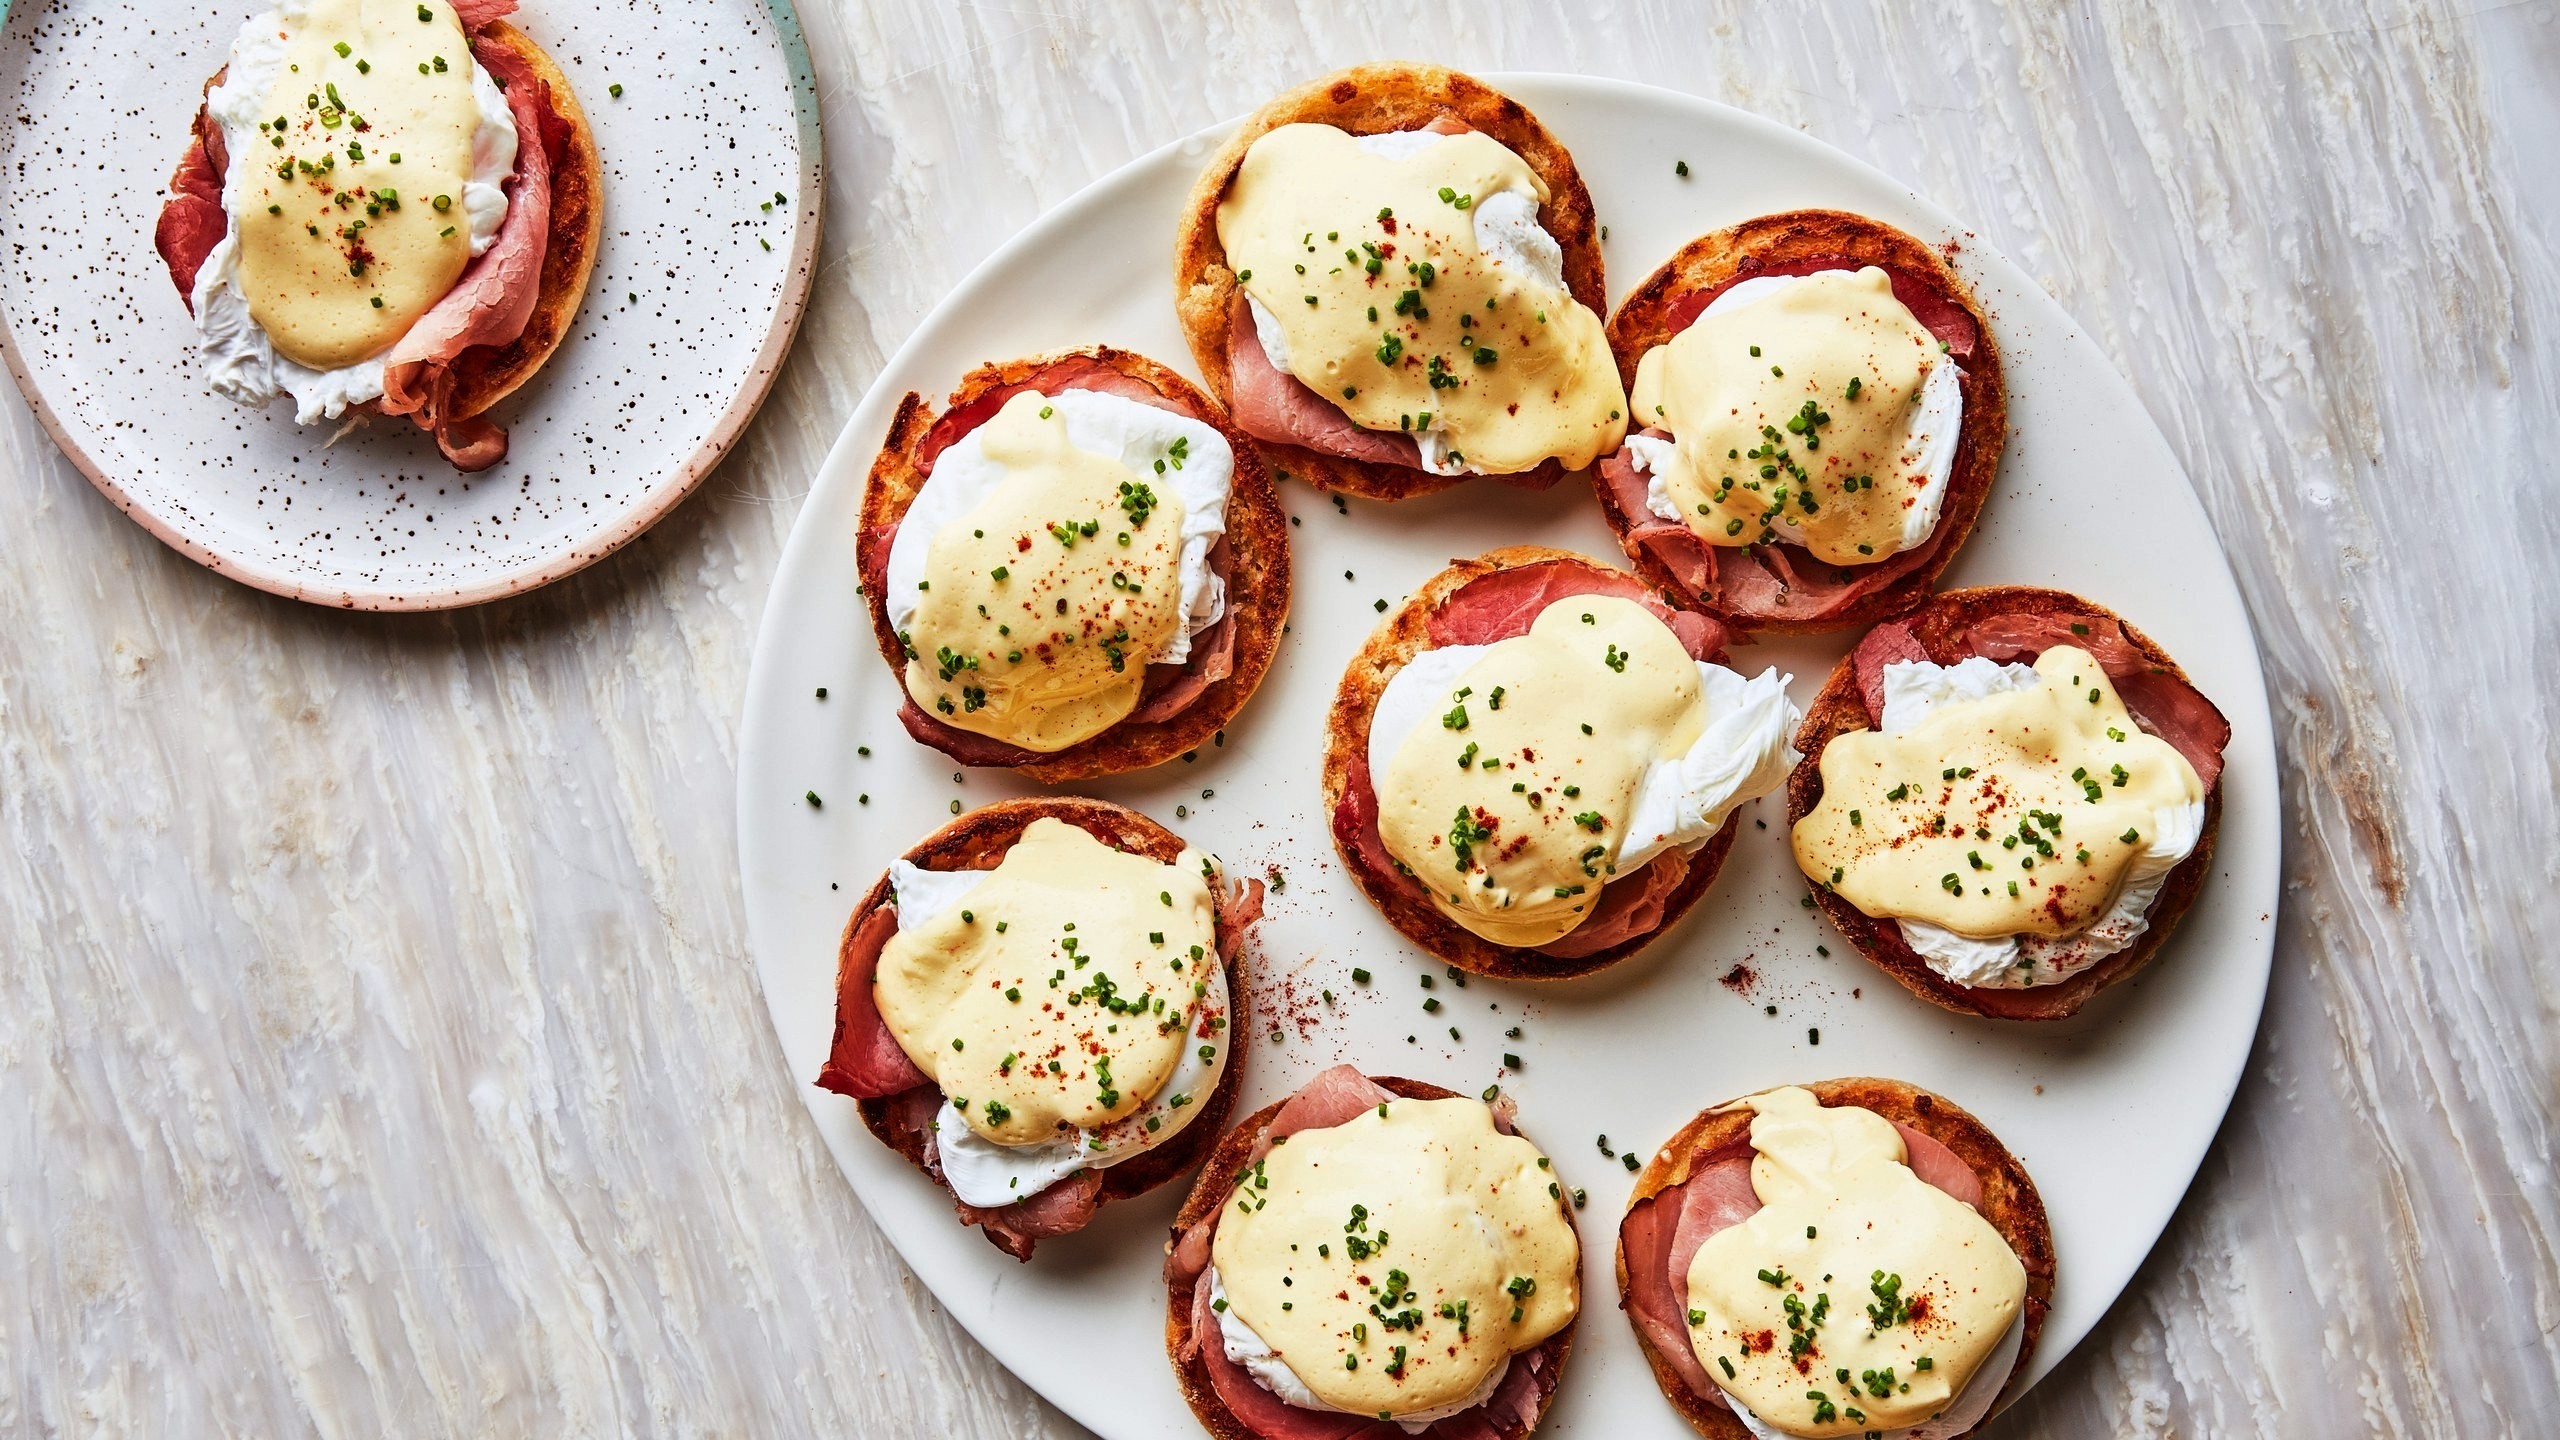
[661,498]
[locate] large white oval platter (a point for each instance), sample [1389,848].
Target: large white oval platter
[2110,1111]
[711,155]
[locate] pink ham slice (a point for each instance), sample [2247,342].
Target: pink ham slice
[867,1062]
[492,302]
[1499,606]
[475,14]
[2159,700]
[1273,405]
[1628,907]
[1169,689]
[1933,308]
[1763,581]
[1502,604]
[1330,1099]
[1662,1234]
[1779,581]
[193,222]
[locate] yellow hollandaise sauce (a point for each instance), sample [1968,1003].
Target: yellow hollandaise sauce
[2012,814]
[1060,994]
[1858,1297]
[1393,1262]
[351,223]
[1511,804]
[1048,595]
[1792,416]
[1393,311]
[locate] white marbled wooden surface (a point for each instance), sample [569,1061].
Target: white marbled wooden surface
[379,1046]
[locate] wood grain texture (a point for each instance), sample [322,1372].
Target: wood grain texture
[383,1052]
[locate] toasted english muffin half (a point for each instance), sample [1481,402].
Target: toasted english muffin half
[1404,634]
[1255,553]
[1371,100]
[2009,1201]
[1219,1176]
[1789,243]
[1841,707]
[980,840]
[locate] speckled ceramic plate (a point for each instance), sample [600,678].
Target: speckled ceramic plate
[686,319]
[2111,1110]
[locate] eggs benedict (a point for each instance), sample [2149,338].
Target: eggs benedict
[1391,276]
[1816,415]
[1850,1258]
[1373,1251]
[1078,568]
[1037,1007]
[387,208]
[1534,765]
[2008,799]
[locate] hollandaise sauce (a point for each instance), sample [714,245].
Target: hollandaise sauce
[2018,813]
[1046,598]
[1397,1261]
[1371,265]
[1859,1297]
[1059,995]
[1510,804]
[351,223]
[1793,415]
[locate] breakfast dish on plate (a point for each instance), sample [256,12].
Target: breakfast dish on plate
[1856,1257]
[1373,1258]
[2008,799]
[1037,1007]
[386,209]
[1534,765]
[1392,277]
[1818,414]
[1078,568]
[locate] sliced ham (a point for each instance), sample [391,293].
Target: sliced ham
[1780,581]
[493,300]
[1169,689]
[1332,1098]
[1663,1233]
[1935,309]
[866,1061]
[1062,1209]
[1073,372]
[1502,604]
[193,222]
[1886,644]
[2160,700]
[1630,905]
[474,14]
[1271,404]
[1762,581]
